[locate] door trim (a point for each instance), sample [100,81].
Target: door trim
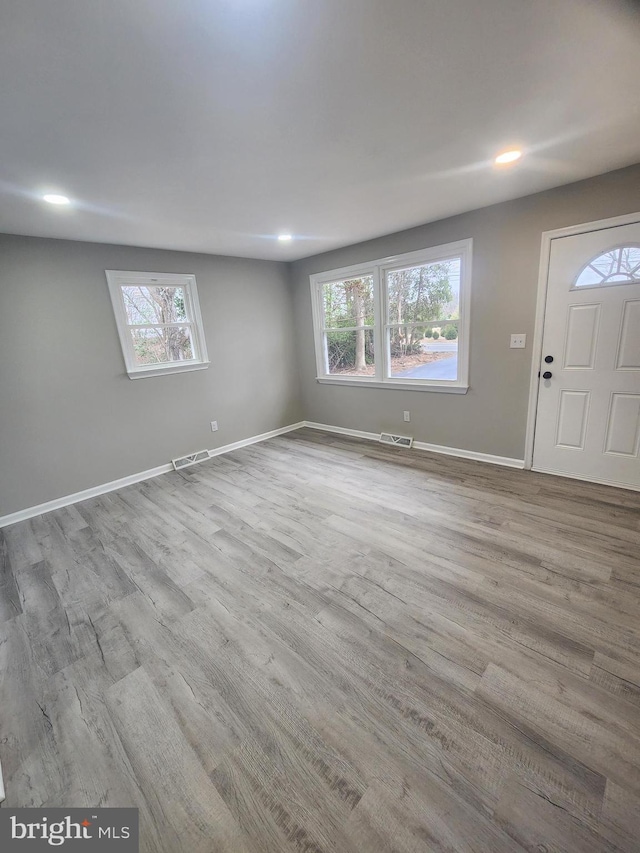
[541,301]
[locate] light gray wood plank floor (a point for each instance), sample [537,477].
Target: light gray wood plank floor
[321,644]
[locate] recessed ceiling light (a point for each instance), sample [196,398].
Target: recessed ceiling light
[52,198]
[509,156]
[284,238]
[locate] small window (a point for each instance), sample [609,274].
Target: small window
[398,322]
[159,322]
[617,266]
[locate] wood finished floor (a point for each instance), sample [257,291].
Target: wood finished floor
[319,644]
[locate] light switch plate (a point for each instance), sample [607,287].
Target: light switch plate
[518,341]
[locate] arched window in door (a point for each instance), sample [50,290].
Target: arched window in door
[615,266]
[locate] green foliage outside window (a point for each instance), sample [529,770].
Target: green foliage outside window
[450,333]
[416,295]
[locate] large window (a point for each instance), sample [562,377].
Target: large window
[159,322]
[398,322]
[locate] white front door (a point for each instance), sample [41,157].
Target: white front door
[588,415]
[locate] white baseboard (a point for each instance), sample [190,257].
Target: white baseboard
[94,491]
[227,448]
[506,461]
[85,494]
[354,433]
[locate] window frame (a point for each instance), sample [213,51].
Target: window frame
[116,280]
[378,270]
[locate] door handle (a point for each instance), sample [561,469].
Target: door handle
[548,359]
[547,374]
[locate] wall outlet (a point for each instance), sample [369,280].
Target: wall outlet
[518,341]
[214,426]
[407,417]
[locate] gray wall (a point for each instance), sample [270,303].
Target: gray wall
[70,418]
[491,417]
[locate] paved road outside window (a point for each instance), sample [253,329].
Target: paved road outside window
[445,368]
[442,345]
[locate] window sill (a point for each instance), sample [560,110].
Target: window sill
[442,388]
[146,372]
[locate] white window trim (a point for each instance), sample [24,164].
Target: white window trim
[116,279]
[460,249]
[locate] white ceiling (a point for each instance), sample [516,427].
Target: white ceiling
[213,125]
